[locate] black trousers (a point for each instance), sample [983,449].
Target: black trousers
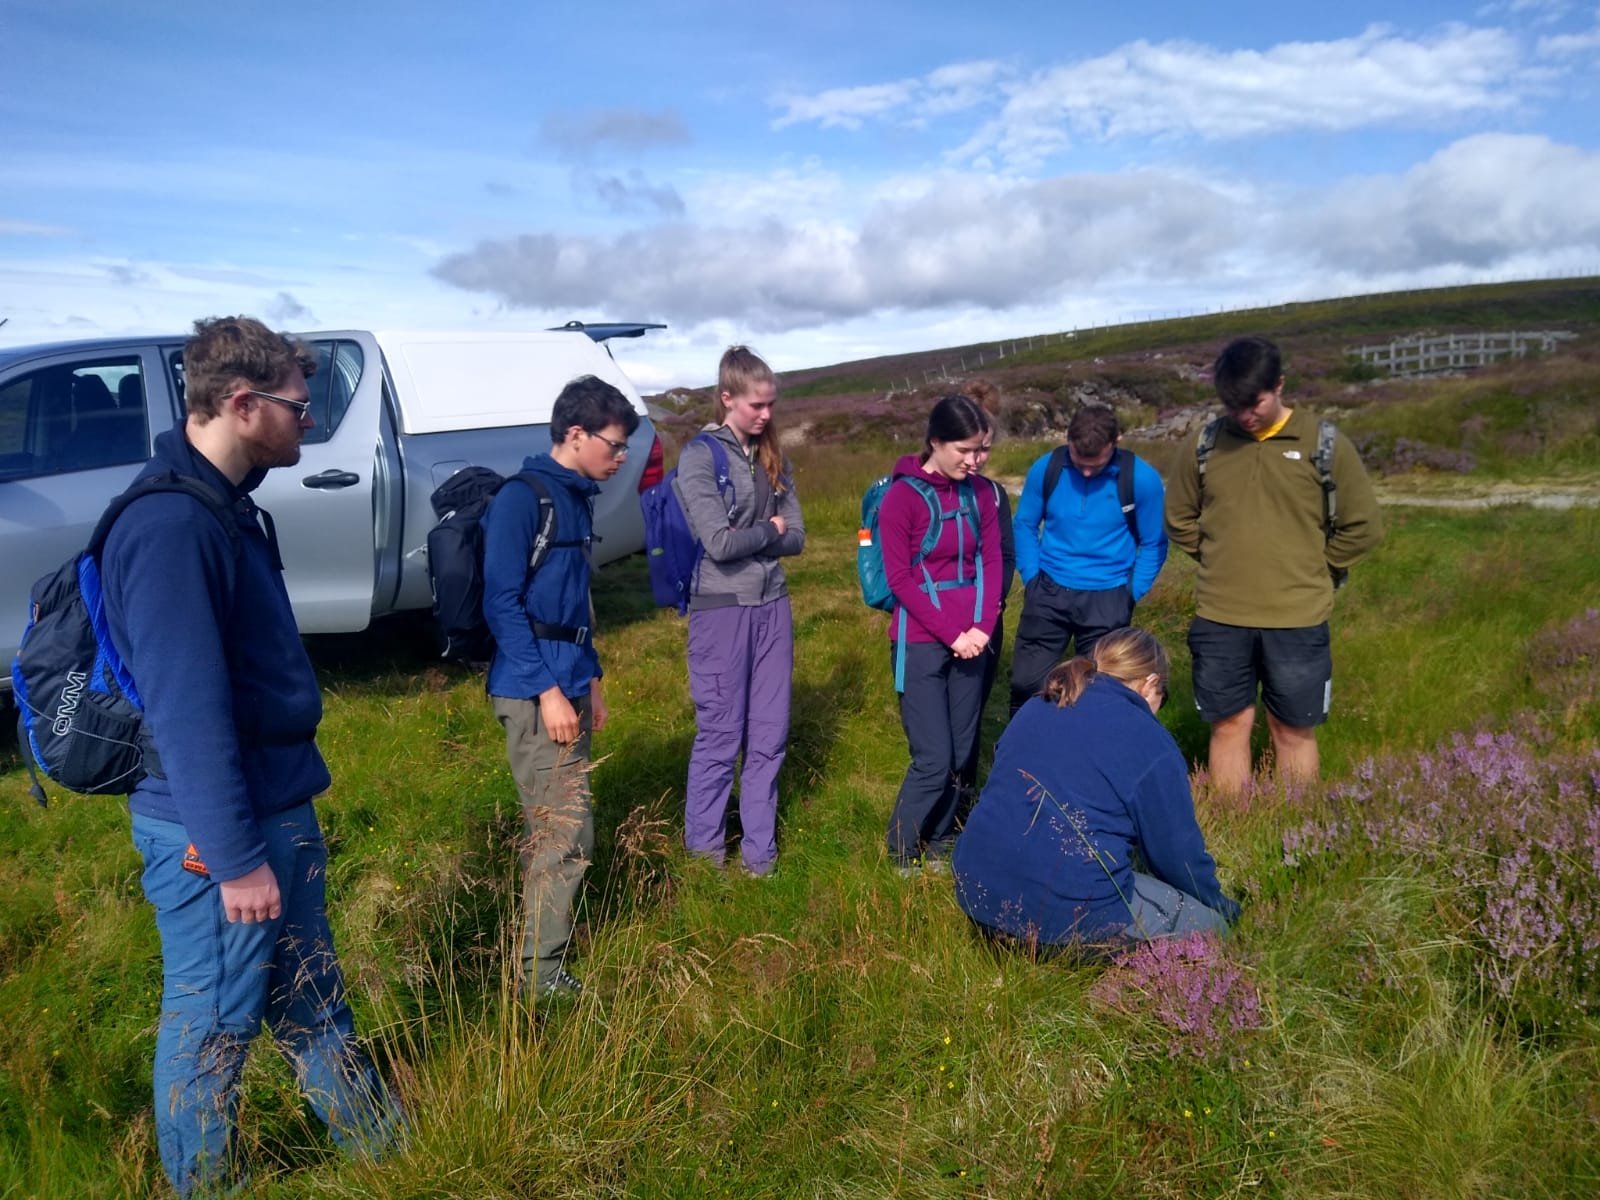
[1052,616]
[939,710]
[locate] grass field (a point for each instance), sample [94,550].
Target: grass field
[1406,1008]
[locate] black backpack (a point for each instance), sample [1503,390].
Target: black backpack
[455,555]
[79,716]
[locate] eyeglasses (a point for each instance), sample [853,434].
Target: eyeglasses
[301,407]
[618,449]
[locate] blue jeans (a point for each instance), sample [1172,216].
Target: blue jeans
[222,979]
[1158,909]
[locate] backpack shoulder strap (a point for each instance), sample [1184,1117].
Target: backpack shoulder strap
[544,537]
[1052,476]
[930,539]
[170,481]
[1127,462]
[719,465]
[1206,443]
[1323,457]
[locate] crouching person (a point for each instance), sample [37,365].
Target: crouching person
[234,860]
[544,679]
[1085,834]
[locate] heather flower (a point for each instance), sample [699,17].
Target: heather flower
[1515,826]
[1187,985]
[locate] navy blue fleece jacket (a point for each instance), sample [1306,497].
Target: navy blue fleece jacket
[230,697]
[1048,852]
[558,593]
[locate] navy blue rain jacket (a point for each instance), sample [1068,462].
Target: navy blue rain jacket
[558,593]
[1074,793]
[230,696]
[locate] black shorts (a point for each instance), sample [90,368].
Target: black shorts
[1292,667]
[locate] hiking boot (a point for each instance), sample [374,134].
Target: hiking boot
[764,870]
[908,869]
[561,984]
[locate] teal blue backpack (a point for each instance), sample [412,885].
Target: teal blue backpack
[869,555]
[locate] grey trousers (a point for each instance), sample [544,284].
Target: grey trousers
[558,829]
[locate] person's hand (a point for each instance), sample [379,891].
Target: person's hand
[980,637]
[560,719]
[778,524]
[252,897]
[965,647]
[597,705]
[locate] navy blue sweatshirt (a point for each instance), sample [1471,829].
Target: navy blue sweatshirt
[558,594]
[231,700]
[1074,792]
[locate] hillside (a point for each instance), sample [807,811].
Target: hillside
[1156,375]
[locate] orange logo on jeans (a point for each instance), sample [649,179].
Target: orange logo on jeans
[191,862]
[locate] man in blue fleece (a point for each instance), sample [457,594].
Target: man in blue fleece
[544,679]
[234,860]
[1082,569]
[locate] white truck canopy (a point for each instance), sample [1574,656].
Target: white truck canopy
[450,381]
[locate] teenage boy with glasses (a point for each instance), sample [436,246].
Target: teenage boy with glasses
[544,679]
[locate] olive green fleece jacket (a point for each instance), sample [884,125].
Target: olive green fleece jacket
[1256,525]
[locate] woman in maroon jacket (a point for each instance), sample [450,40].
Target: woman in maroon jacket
[940,541]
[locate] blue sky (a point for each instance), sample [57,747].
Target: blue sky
[824,181]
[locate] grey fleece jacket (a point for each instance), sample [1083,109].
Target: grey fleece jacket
[742,545]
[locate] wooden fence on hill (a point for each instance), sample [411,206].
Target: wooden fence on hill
[1455,351]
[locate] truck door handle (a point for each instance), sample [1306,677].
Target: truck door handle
[331,478]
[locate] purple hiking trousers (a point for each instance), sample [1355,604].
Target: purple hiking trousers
[741,659]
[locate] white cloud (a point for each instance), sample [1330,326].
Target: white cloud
[1182,89]
[1571,45]
[15,228]
[1477,204]
[966,242]
[947,89]
[846,108]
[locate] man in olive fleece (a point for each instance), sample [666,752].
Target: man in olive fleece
[1255,523]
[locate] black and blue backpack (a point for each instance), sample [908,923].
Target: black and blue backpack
[455,555]
[869,554]
[79,716]
[673,552]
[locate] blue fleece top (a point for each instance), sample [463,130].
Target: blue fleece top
[1073,794]
[558,594]
[1085,543]
[231,700]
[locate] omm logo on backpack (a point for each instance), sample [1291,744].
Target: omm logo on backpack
[79,716]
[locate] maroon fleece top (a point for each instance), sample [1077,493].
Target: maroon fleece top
[902,523]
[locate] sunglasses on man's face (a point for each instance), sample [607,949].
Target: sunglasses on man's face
[301,407]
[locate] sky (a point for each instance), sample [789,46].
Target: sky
[823,181]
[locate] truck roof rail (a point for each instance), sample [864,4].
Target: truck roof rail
[601,331]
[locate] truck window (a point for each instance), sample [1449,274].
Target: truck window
[73,417]
[339,367]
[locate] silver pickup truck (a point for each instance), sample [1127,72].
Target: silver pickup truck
[396,414]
